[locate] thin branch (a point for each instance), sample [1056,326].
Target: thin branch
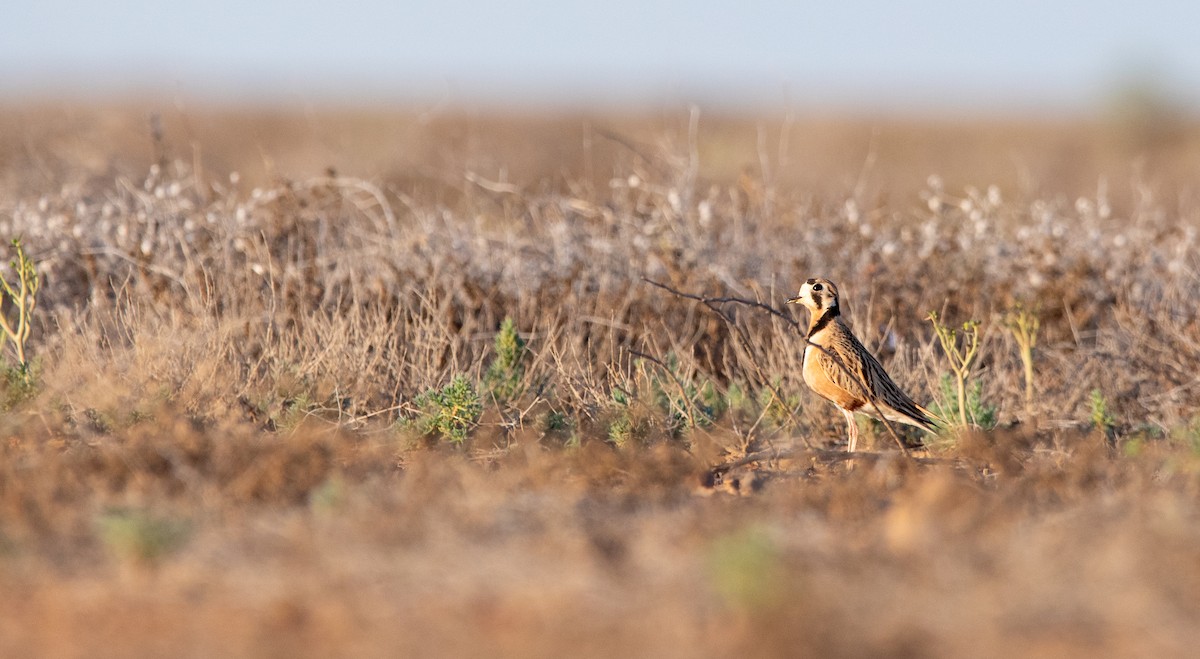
[712,302]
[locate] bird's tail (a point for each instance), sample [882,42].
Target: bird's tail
[933,423]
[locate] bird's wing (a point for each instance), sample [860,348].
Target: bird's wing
[864,369]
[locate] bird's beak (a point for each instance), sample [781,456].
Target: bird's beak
[793,300]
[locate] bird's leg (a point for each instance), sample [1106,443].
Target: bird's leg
[851,429]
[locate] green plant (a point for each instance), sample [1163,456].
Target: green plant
[961,352]
[737,399]
[21,297]
[712,403]
[1023,323]
[745,568]
[686,403]
[506,373]
[1189,434]
[672,395]
[624,427]
[1141,435]
[293,412]
[136,535]
[561,426]
[556,422]
[1102,418]
[1132,447]
[622,430]
[99,421]
[19,384]
[947,405]
[776,409]
[329,495]
[449,412]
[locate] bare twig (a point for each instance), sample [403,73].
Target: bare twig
[712,302]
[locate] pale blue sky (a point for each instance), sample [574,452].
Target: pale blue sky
[924,53]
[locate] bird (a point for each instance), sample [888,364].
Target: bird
[859,384]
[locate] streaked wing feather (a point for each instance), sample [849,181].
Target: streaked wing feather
[865,369]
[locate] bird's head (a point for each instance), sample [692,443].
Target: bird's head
[818,295]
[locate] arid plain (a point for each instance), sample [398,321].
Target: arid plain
[373,383]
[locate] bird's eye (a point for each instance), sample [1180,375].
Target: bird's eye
[817,287]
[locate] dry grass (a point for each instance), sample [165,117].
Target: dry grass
[223,453]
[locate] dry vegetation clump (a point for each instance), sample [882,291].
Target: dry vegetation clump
[446,414]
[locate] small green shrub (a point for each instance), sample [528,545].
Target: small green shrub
[562,427]
[506,374]
[779,411]
[677,398]
[21,297]
[1188,434]
[138,536]
[1102,418]
[961,351]
[657,390]
[1023,323]
[712,403]
[328,496]
[449,412]
[624,427]
[293,412]
[556,422]
[19,382]
[622,431]
[738,400]
[974,411]
[745,568]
